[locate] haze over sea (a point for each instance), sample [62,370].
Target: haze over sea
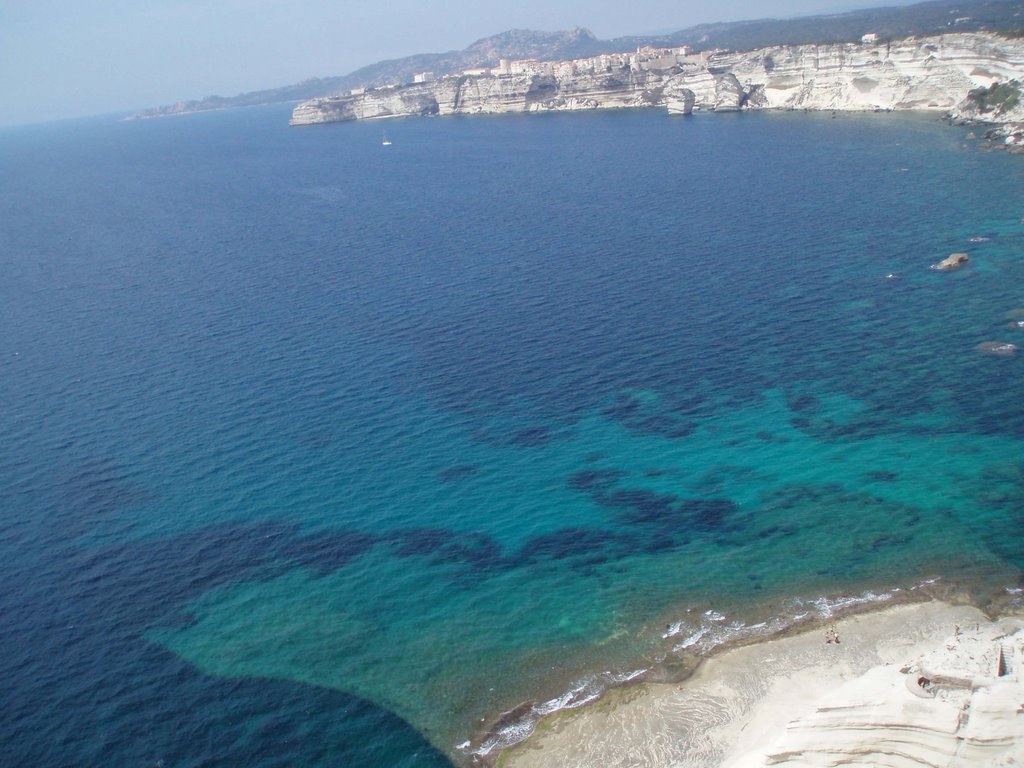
[318,452]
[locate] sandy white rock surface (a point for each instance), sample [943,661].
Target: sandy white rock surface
[799,700]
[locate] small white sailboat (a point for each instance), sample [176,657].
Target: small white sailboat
[386,142]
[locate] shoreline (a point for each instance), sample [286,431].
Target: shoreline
[691,635]
[734,706]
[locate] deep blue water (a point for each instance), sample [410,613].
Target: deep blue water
[316,452]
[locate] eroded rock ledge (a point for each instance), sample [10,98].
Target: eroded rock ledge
[926,73]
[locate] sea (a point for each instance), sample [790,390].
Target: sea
[319,452]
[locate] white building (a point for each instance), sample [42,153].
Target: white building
[523,67]
[565,69]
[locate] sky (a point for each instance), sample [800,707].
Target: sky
[72,58]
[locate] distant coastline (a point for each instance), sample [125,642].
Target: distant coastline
[889,24]
[972,77]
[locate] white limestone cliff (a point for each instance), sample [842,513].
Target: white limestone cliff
[933,73]
[927,73]
[960,705]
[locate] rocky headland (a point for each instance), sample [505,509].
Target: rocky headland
[972,77]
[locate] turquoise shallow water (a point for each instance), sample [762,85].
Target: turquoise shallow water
[320,452]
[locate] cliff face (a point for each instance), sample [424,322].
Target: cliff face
[924,73]
[934,73]
[488,95]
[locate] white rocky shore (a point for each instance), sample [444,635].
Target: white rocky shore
[925,73]
[928,684]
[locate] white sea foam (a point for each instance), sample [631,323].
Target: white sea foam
[507,736]
[1016,599]
[582,693]
[714,632]
[827,607]
[575,697]
[713,628]
[692,640]
[673,630]
[631,676]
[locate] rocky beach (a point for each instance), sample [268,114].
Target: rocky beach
[917,684]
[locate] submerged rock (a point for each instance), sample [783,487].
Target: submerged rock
[1001,348]
[953,261]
